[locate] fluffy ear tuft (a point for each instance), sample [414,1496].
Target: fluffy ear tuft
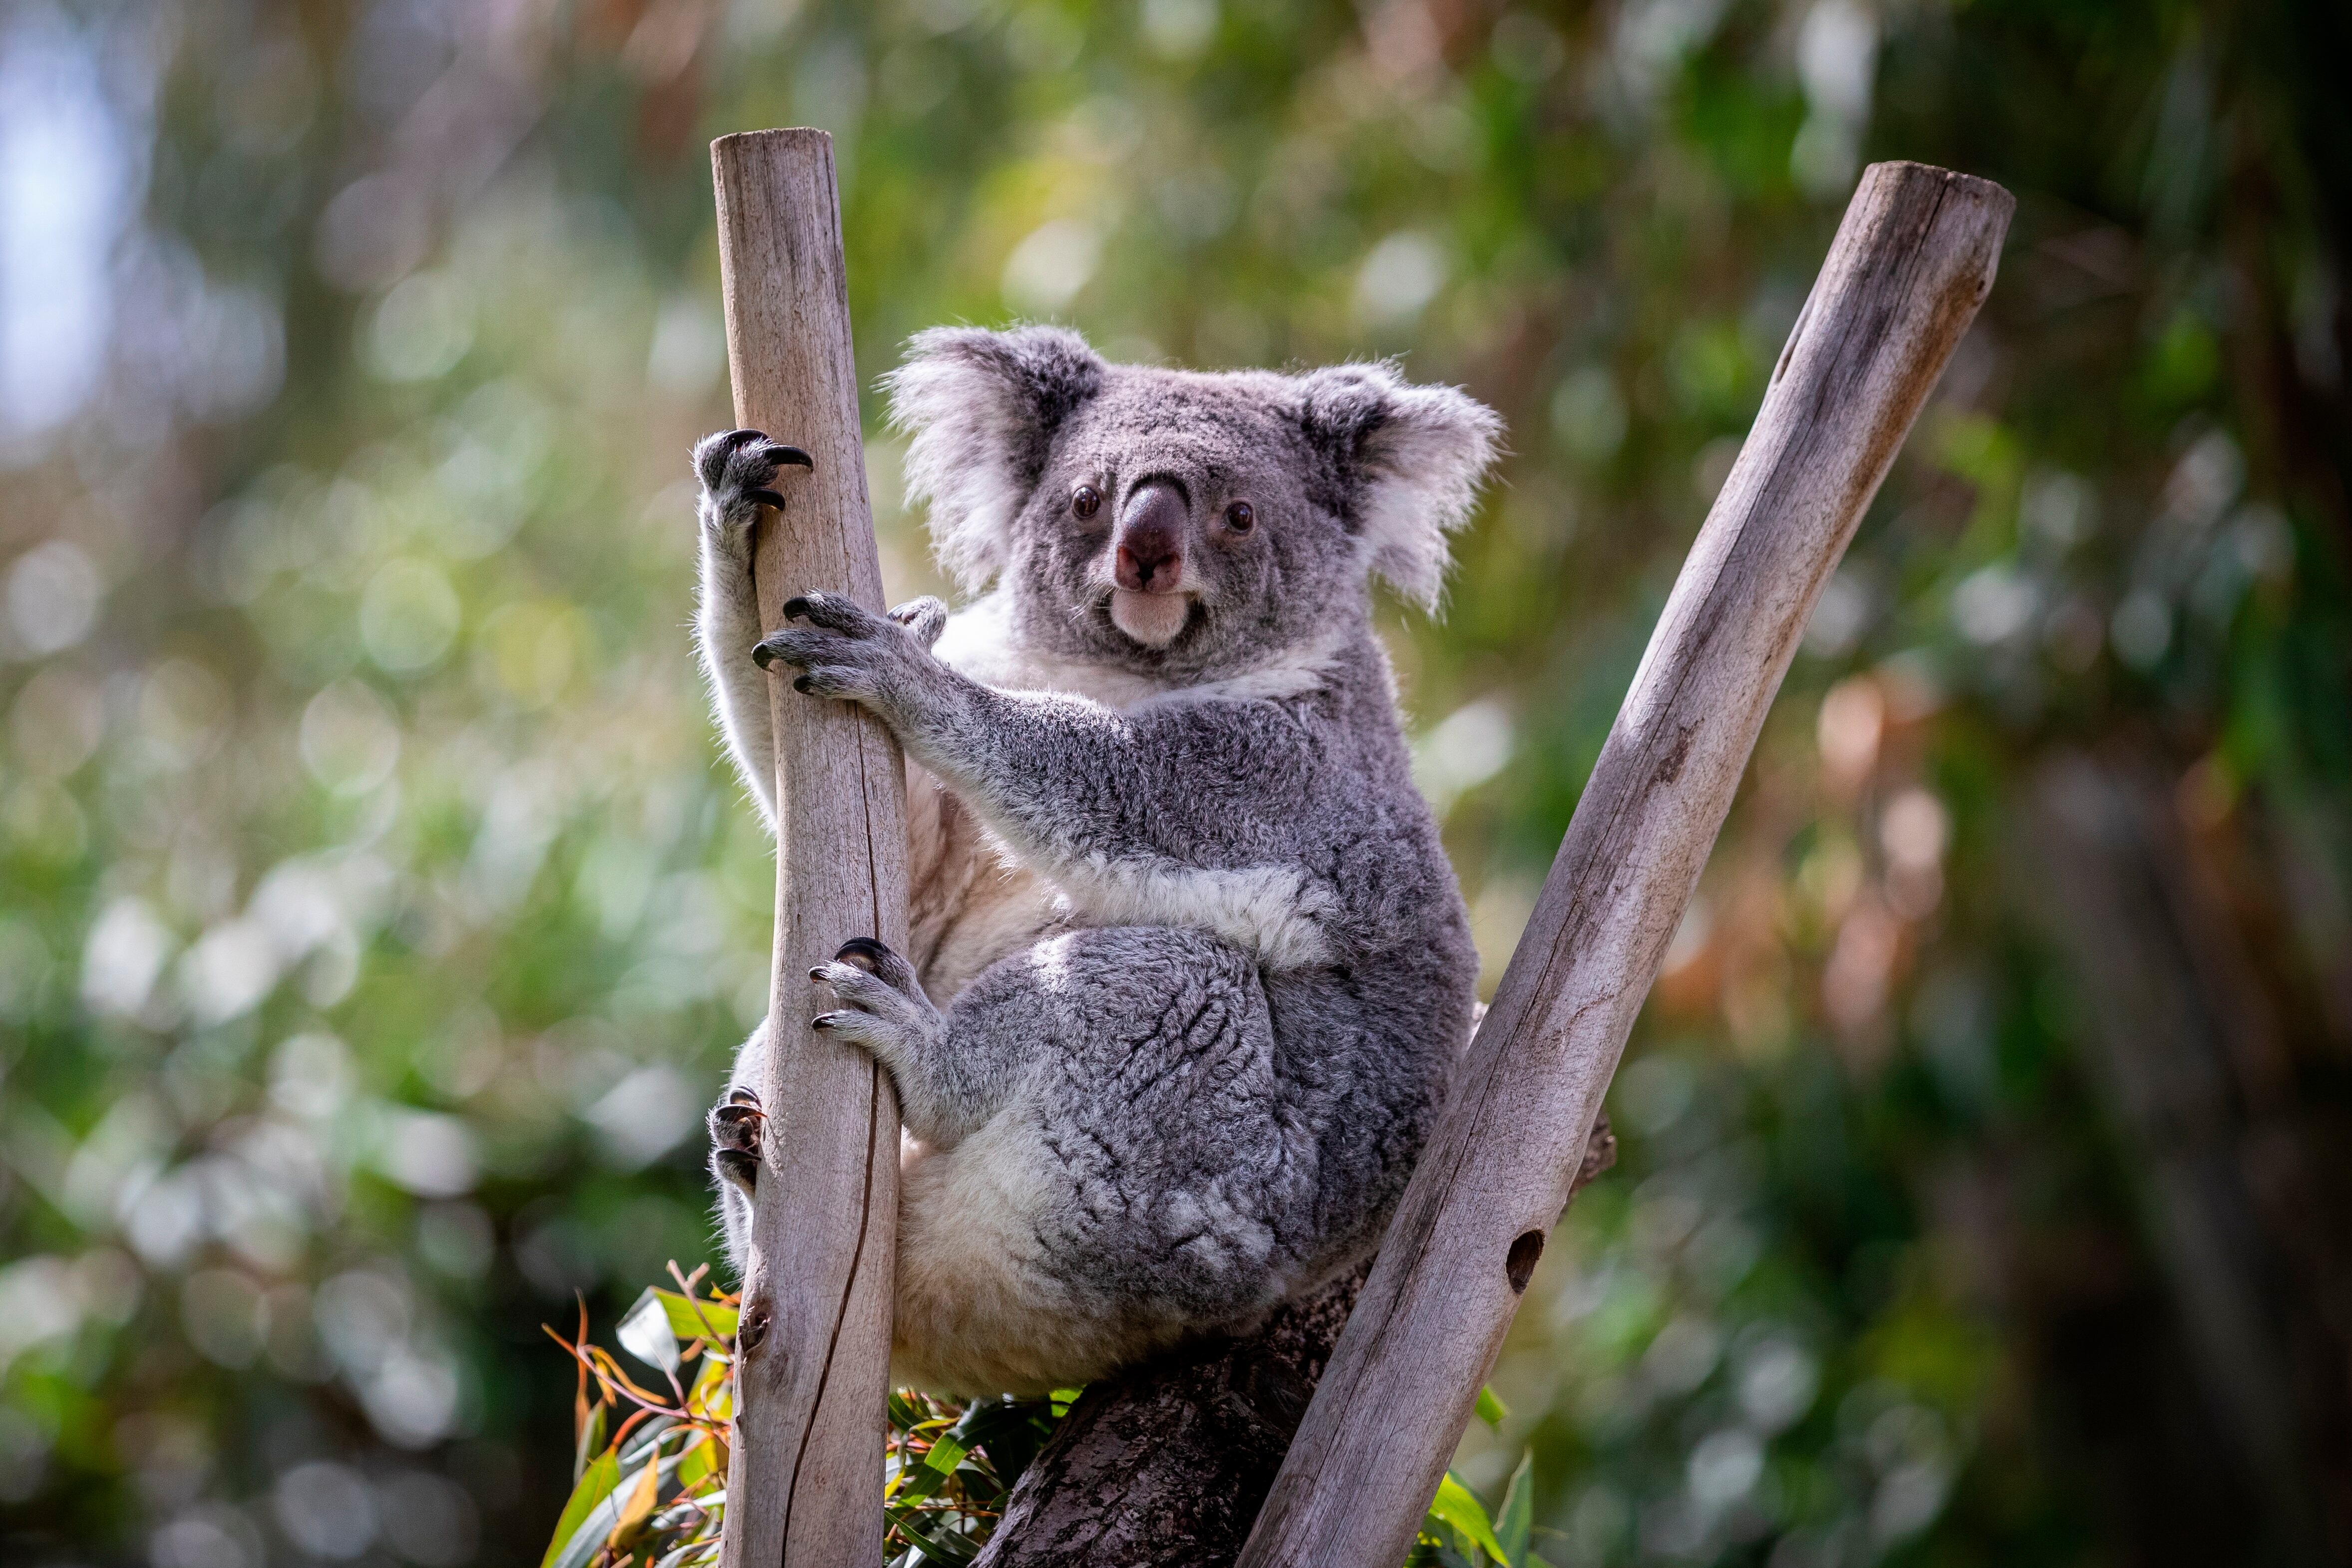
[982,408]
[1408,461]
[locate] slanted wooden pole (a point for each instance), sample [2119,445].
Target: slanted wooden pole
[1911,262]
[804,1478]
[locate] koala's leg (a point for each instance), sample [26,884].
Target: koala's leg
[735,1123]
[942,1092]
[735,1126]
[949,1084]
[1152,1170]
[736,469]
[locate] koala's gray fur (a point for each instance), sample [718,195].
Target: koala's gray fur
[1190,965]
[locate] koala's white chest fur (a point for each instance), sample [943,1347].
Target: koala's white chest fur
[974,901]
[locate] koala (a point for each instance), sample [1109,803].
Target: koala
[1189,967]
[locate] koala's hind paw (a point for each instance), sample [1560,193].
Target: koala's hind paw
[735,1125]
[884,1008]
[737,468]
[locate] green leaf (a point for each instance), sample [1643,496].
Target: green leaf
[917,1482]
[1491,1410]
[697,1463]
[950,1549]
[1517,1522]
[594,1511]
[1463,1517]
[692,1318]
[1009,1432]
[594,1490]
[946,1454]
[591,1440]
[646,1333]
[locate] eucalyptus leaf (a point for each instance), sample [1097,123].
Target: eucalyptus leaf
[1516,1522]
[646,1333]
[587,1516]
[1462,1516]
[1491,1409]
[692,1318]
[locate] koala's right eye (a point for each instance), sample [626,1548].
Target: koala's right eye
[1085,500]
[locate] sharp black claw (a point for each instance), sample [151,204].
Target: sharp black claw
[780,454]
[822,1022]
[735,438]
[762,655]
[801,685]
[864,948]
[765,498]
[739,1168]
[796,606]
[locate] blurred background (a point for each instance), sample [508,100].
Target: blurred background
[376,916]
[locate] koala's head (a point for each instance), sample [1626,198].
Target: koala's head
[1179,522]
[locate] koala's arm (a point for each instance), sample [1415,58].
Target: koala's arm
[736,467]
[727,624]
[1174,812]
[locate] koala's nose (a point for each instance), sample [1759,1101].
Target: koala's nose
[1151,540]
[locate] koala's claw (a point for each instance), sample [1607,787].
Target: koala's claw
[883,1006]
[840,649]
[873,954]
[735,1123]
[737,468]
[831,611]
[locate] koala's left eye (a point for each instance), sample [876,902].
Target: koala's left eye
[1241,517]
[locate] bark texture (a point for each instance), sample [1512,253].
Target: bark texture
[1167,1468]
[806,1471]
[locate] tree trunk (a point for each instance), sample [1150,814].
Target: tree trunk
[805,1472]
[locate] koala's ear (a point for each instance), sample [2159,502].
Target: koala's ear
[982,408]
[1407,461]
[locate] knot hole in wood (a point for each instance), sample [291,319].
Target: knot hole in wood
[1520,1265]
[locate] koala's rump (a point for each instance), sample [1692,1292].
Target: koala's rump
[980,1309]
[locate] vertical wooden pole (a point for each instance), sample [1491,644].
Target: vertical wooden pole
[804,1481]
[1911,263]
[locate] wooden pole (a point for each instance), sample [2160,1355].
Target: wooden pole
[804,1478]
[1911,263]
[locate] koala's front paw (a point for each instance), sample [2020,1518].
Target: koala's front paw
[884,1008]
[735,1125]
[846,651]
[737,468]
[923,618]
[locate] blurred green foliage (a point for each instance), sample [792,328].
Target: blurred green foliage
[376,915]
